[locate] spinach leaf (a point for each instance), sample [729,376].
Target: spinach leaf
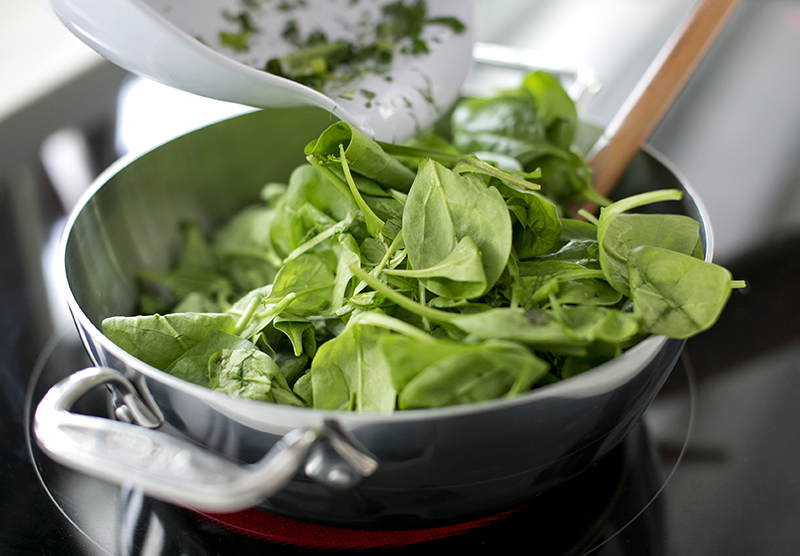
[442,209]
[347,254]
[599,353]
[234,366]
[364,156]
[196,254]
[257,309]
[565,176]
[534,124]
[159,340]
[311,278]
[173,286]
[575,249]
[618,234]
[554,108]
[506,124]
[539,279]
[193,365]
[299,330]
[677,295]
[251,374]
[349,372]
[247,234]
[311,203]
[537,226]
[460,275]
[473,374]
[588,292]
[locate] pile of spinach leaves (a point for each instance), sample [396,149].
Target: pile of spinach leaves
[387,277]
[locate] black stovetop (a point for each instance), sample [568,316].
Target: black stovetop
[712,467]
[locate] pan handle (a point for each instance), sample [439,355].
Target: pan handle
[176,470]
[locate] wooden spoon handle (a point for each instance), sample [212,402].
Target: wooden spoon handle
[654,94]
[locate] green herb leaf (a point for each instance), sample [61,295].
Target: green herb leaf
[442,209]
[677,295]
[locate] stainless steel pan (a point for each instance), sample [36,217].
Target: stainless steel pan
[199,448]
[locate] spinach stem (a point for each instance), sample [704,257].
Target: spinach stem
[374,224]
[442,157]
[333,178]
[390,251]
[422,310]
[588,216]
[390,323]
[425,322]
[267,315]
[247,316]
[513,270]
[471,163]
[319,238]
[642,199]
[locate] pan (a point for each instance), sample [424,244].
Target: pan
[201,449]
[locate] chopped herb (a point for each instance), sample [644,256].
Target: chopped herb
[325,64]
[238,40]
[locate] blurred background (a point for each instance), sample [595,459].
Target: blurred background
[734,133]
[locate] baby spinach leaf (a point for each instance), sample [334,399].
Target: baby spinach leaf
[310,278]
[294,220]
[565,176]
[677,295]
[406,357]
[299,330]
[443,208]
[590,292]
[196,254]
[618,234]
[173,286]
[197,302]
[250,373]
[539,279]
[159,340]
[350,369]
[257,309]
[472,164]
[458,276]
[506,124]
[364,156]
[583,252]
[534,124]
[234,366]
[599,353]
[247,234]
[537,226]
[303,389]
[473,374]
[628,231]
[347,254]
[602,324]
[554,108]
[193,365]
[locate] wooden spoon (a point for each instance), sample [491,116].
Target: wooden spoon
[654,94]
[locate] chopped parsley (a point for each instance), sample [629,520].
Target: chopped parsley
[325,64]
